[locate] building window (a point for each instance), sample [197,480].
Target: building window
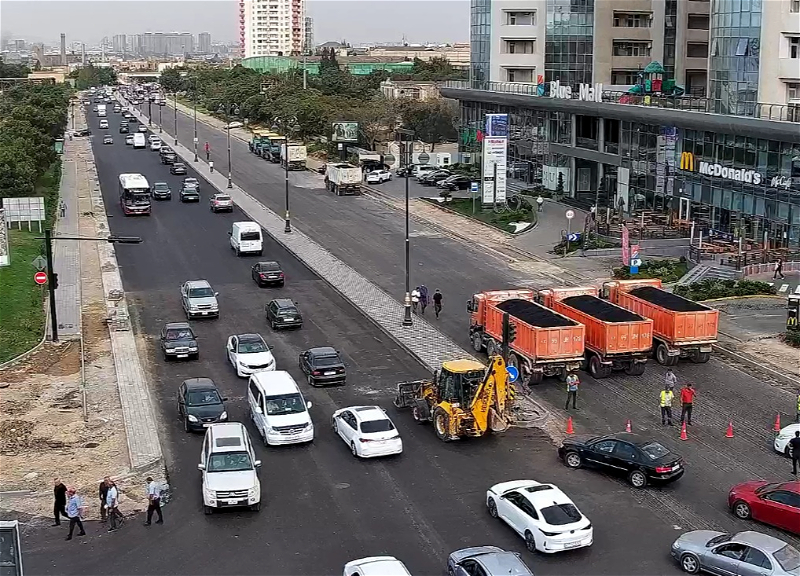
[524,75]
[520,18]
[794,47]
[625,20]
[794,6]
[519,46]
[697,22]
[697,50]
[625,48]
[793,91]
[624,77]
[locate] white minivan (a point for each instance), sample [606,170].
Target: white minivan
[139,141]
[278,409]
[229,468]
[422,169]
[246,238]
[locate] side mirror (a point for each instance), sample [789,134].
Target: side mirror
[257,463]
[216,294]
[230,234]
[271,346]
[201,466]
[309,404]
[259,410]
[225,399]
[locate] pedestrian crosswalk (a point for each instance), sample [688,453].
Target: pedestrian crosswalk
[786,288]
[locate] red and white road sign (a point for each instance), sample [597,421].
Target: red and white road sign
[40,277]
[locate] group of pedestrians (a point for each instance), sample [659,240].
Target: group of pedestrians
[68,504]
[667,396]
[420,299]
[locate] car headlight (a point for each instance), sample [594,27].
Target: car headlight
[269,430]
[242,364]
[223,416]
[192,348]
[210,494]
[192,418]
[784,436]
[253,492]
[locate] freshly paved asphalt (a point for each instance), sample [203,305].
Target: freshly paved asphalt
[321,506]
[369,237]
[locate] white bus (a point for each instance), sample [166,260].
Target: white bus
[134,194]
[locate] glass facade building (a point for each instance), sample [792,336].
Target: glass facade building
[480,38]
[734,56]
[569,41]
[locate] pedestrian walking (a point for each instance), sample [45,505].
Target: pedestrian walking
[437,302]
[74,510]
[423,297]
[572,390]
[539,203]
[687,401]
[666,397]
[415,299]
[621,205]
[62,208]
[112,502]
[794,449]
[670,379]
[59,501]
[154,501]
[207,148]
[103,493]
[779,269]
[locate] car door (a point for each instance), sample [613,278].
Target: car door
[754,563]
[271,311]
[625,457]
[724,560]
[600,453]
[184,297]
[233,346]
[255,271]
[779,508]
[305,362]
[347,426]
[163,338]
[511,512]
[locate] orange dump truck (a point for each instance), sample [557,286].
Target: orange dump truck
[616,338]
[681,328]
[547,343]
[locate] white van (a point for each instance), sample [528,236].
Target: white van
[139,141]
[422,169]
[278,409]
[229,468]
[246,238]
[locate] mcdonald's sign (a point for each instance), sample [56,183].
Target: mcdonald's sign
[687,161]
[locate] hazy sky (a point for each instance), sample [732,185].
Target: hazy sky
[356,21]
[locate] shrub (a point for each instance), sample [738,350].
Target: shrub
[711,289]
[792,338]
[667,270]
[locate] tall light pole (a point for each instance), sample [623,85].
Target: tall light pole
[175,111]
[288,128]
[409,140]
[227,108]
[194,102]
[149,111]
[160,124]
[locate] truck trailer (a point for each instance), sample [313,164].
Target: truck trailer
[681,328]
[296,156]
[616,338]
[343,179]
[102,110]
[547,343]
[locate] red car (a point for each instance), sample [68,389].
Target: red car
[773,503]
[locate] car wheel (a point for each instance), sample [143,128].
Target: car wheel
[637,479]
[273,325]
[573,460]
[311,380]
[662,354]
[741,509]
[492,508]
[256,507]
[530,541]
[185,424]
[353,449]
[690,563]
[166,357]
[208,510]
[334,426]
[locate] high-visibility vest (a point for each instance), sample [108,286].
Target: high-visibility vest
[666,398]
[798,403]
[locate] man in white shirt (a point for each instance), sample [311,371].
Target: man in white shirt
[154,501]
[112,500]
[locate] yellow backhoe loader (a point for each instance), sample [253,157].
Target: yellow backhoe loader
[464,399]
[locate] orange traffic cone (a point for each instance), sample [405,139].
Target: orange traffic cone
[729,433]
[684,436]
[570,430]
[777,427]
[628,426]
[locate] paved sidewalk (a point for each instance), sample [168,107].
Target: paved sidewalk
[66,253]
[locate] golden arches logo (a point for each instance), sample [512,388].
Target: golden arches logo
[687,161]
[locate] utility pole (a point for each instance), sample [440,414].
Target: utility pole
[506,337]
[52,278]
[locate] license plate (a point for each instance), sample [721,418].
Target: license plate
[203,313]
[676,467]
[329,373]
[234,501]
[272,277]
[183,355]
[572,544]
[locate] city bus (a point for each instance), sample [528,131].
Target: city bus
[134,194]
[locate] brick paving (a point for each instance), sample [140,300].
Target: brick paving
[66,253]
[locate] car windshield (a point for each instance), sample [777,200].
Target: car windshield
[178,165]
[560,514]
[161,186]
[788,557]
[377,426]
[190,186]
[765,487]
[252,347]
[718,540]
[180,334]
[270,266]
[654,450]
[201,292]
[285,404]
[322,361]
[288,311]
[203,398]
[229,462]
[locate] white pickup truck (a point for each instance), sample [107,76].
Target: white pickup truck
[343,179]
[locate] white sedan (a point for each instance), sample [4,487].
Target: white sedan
[542,514]
[367,430]
[376,566]
[378,176]
[249,353]
[155,145]
[782,439]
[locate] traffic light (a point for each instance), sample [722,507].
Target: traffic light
[512,332]
[55,280]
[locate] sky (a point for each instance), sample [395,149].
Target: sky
[356,21]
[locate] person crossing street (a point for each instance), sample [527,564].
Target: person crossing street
[794,448]
[687,402]
[665,403]
[572,390]
[74,510]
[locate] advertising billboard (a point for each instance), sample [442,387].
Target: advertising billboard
[5,258]
[495,152]
[344,132]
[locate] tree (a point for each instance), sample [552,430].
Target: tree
[13,70]
[433,122]
[376,118]
[171,80]
[93,76]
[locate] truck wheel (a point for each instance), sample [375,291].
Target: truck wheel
[492,349]
[700,357]
[441,424]
[596,368]
[662,354]
[535,378]
[477,342]
[634,369]
[513,360]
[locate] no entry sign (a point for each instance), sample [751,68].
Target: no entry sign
[40,277]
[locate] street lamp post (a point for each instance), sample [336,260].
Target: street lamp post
[227,109]
[149,111]
[175,112]
[160,124]
[407,317]
[288,129]
[194,102]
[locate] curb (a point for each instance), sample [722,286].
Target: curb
[746,297]
[510,235]
[24,355]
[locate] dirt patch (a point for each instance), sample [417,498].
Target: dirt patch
[775,352]
[60,359]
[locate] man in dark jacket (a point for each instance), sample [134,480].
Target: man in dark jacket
[60,501]
[794,450]
[103,492]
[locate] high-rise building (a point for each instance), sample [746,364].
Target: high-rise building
[120,43]
[308,40]
[165,43]
[204,43]
[271,27]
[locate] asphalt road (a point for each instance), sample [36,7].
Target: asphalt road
[322,507]
[369,237]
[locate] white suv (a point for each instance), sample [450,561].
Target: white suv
[278,409]
[229,468]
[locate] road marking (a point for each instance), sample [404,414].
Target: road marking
[783,288]
[771,283]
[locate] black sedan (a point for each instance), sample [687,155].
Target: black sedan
[268,273]
[189,194]
[323,365]
[200,404]
[177,168]
[640,459]
[455,183]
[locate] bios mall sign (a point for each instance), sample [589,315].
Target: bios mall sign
[586,92]
[720,171]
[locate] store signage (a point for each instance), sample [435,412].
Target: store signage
[586,92]
[687,161]
[495,153]
[781,182]
[718,170]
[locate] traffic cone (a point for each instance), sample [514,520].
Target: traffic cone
[570,430]
[777,427]
[628,426]
[684,436]
[729,433]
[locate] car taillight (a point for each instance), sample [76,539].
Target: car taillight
[365,440]
[316,373]
[263,275]
[663,469]
[340,370]
[281,274]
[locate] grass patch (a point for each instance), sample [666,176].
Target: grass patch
[711,289]
[501,221]
[668,271]
[21,312]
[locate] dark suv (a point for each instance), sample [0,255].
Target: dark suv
[200,404]
[283,313]
[161,191]
[178,341]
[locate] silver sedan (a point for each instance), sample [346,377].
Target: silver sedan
[743,554]
[488,560]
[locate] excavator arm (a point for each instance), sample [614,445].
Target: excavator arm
[489,405]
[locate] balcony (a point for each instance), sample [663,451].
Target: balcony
[789,68]
[695,63]
[697,36]
[621,33]
[630,62]
[699,7]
